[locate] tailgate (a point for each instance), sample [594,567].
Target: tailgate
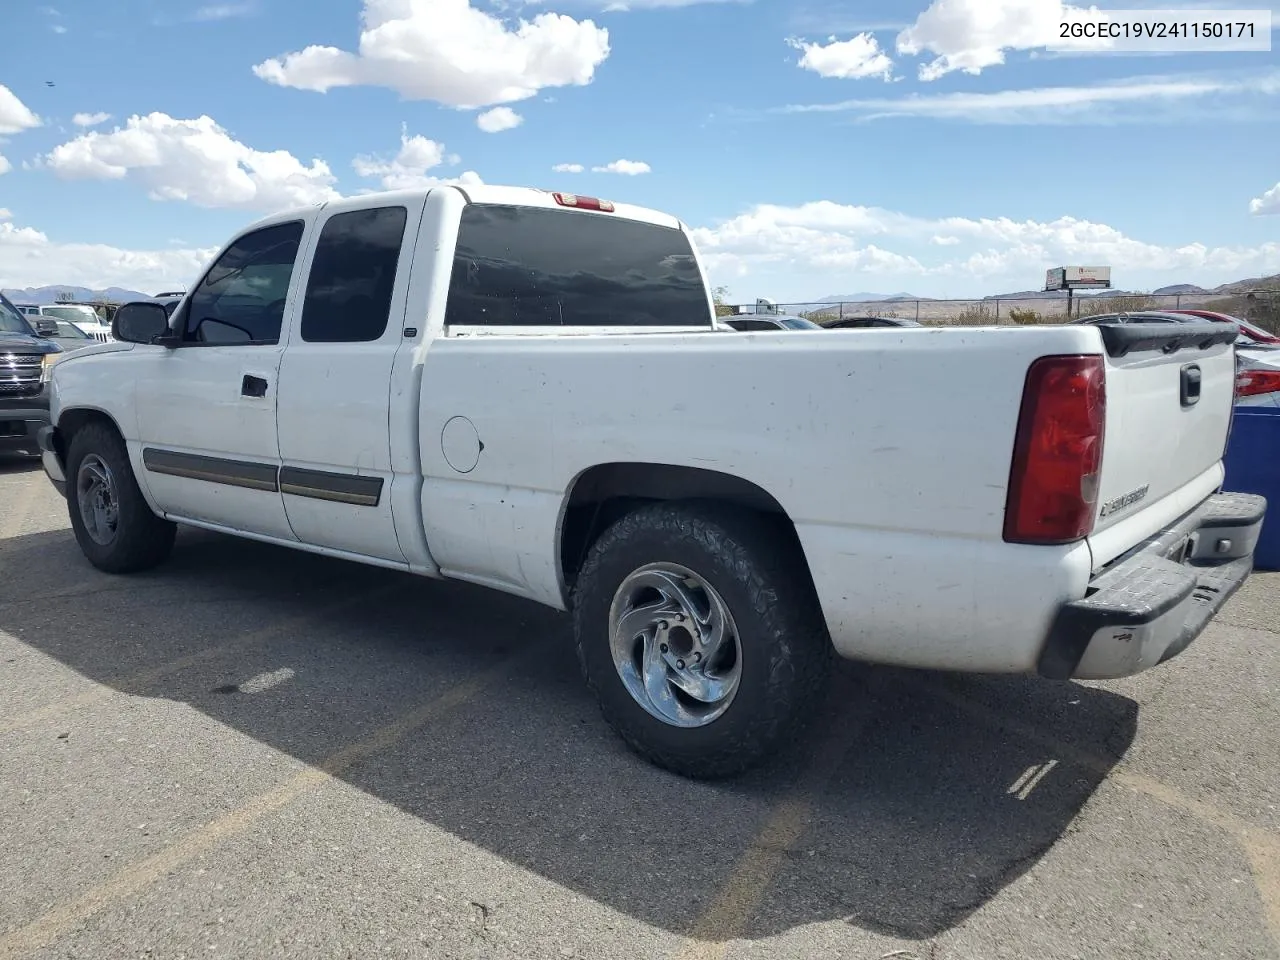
[1170,390]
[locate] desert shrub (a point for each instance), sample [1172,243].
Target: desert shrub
[1261,307]
[1027,316]
[1264,310]
[820,317]
[1092,306]
[974,316]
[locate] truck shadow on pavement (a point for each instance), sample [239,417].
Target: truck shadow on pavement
[933,799]
[12,464]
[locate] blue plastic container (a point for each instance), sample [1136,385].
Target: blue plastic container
[1253,466]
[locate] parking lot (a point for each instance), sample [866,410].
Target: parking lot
[254,752]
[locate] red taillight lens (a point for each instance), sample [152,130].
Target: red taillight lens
[1250,383]
[1053,484]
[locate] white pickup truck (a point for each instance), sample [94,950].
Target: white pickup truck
[528,390]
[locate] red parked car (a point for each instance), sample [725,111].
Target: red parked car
[1255,335]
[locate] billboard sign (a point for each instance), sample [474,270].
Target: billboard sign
[1076,278]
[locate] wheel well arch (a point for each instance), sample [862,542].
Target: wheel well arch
[73,420]
[604,493]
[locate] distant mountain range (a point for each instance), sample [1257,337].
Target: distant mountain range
[54,294]
[1186,289]
[868,297]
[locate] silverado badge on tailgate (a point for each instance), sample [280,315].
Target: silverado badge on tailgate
[1128,500]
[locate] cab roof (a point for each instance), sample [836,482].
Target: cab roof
[480,193]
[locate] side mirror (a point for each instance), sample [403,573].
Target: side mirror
[140,322]
[46,328]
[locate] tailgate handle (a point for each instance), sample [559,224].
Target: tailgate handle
[1191,384]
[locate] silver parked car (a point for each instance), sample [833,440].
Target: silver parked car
[769,321]
[82,316]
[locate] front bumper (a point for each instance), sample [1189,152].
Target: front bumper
[1149,605]
[20,422]
[50,458]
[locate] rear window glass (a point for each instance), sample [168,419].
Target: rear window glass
[527,266]
[72,313]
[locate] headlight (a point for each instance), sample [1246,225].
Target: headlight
[46,365]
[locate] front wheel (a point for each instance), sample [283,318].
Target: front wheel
[112,522]
[699,632]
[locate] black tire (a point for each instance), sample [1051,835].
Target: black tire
[786,652]
[141,539]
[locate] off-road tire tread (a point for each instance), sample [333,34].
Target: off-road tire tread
[143,540]
[782,612]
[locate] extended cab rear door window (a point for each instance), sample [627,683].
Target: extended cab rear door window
[353,276]
[241,299]
[533,267]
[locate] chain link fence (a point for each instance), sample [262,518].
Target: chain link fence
[1261,307]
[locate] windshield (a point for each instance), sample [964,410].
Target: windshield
[11,321]
[74,313]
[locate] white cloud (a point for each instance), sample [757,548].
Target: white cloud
[29,258]
[90,119]
[450,52]
[410,168]
[58,29]
[224,11]
[826,243]
[630,168]
[499,119]
[622,6]
[1058,105]
[971,35]
[1268,203]
[14,114]
[568,168]
[5,165]
[857,58]
[194,160]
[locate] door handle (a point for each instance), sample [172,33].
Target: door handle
[252,386]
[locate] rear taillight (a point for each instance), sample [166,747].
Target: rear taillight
[583,203]
[1057,454]
[1250,383]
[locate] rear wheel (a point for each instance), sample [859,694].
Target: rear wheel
[112,522]
[699,633]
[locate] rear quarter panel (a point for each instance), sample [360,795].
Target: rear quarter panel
[889,449]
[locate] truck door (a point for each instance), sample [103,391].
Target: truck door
[206,406]
[335,379]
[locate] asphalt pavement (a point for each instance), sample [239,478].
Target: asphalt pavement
[254,752]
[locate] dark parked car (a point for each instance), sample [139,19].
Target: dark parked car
[25,359]
[770,321]
[170,302]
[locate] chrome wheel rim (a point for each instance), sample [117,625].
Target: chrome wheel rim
[96,498]
[675,645]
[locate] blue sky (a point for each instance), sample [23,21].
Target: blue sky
[817,147]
